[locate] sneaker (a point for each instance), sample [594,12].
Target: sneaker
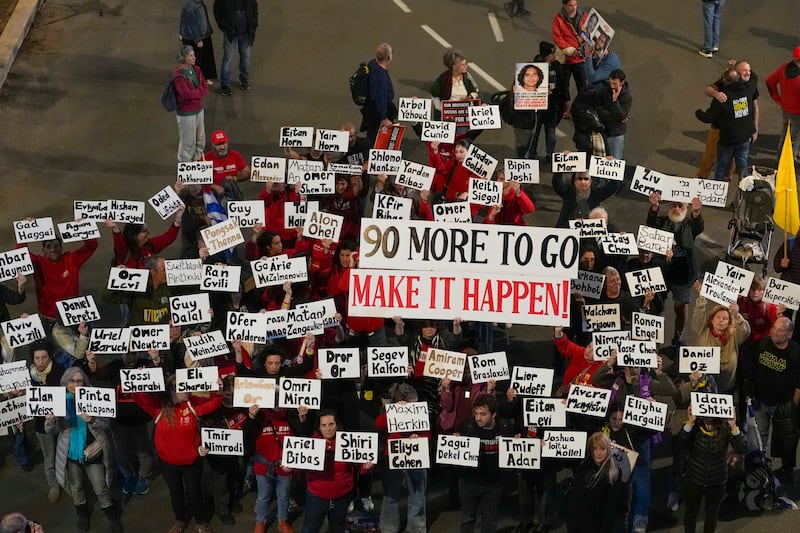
[245,85]
[178,527]
[142,486]
[129,485]
[715,49]
[705,53]
[54,494]
[284,527]
[367,505]
[225,90]
[210,83]
[673,501]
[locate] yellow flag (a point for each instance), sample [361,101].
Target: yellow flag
[786,214]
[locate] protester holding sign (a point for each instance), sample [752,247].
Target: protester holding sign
[133,244]
[723,327]
[704,443]
[581,364]
[759,314]
[647,259]
[633,381]
[346,202]
[177,440]
[379,110]
[275,196]
[566,35]
[481,488]
[151,306]
[330,490]
[680,273]
[595,498]
[516,204]
[455,83]
[268,243]
[581,195]
[12,297]
[624,437]
[266,428]
[451,181]
[83,448]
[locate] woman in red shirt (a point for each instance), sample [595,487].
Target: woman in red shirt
[451,180]
[516,204]
[133,245]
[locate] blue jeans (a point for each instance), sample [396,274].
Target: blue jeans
[229,45]
[726,154]
[711,14]
[640,483]
[416,481]
[616,146]
[269,485]
[318,508]
[19,447]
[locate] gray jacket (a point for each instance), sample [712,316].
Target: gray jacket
[60,426]
[194,24]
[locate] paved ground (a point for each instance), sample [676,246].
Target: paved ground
[81,120]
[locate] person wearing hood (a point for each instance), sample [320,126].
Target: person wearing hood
[735,119]
[615,111]
[784,88]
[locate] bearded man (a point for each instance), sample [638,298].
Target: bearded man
[679,272]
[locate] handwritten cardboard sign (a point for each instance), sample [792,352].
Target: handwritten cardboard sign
[206,346]
[646,327]
[79,230]
[564,444]
[479,162]
[96,210]
[409,417]
[605,342]
[457,451]
[335,363]
[637,353]
[247,213]
[485,192]
[521,170]
[601,317]
[589,227]
[221,278]
[356,447]
[76,310]
[222,236]
[254,391]
[645,413]
[589,401]
[525,454]
[390,207]
[589,284]
[295,213]
[294,392]
[567,162]
[141,380]
[127,279]
[782,292]
[610,169]
[713,405]
[190,309]
[183,272]
[220,441]
[296,137]
[416,176]
[38,229]
[387,361]
[384,161]
[275,270]
[485,117]
[544,412]
[298,170]
[705,359]
[618,244]
[252,327]
[444,364]
[321,225]
[23,330]
[316,183]
[654,240]
[303,453]
[438,131]
[640,282]
[43,401]
[196,172]
[487,366]
[408,454]
[200,379]
[741,277]
[532,381]
[13,411]
[13,262]
[718,289]
[457,212]
[110,340]
[166,202]
[14,376]
[267,169]
[126,211]
[414,109]
[96,401]
[331,140]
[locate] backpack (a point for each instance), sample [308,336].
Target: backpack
[359,84]
[169,97]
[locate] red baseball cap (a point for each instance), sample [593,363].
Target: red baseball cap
[796,53]
[219,137]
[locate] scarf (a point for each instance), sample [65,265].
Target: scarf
[41,376]
[723,339]
[77,436]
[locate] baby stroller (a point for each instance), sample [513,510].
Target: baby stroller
[751,226]
[760,485]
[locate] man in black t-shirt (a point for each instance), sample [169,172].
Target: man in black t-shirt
[772,380]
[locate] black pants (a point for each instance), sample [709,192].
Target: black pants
[483,495]
[184,484]
[205,57]
[577,71]
[692,494]
[227,485]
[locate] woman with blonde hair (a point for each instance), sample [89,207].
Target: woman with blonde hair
[596,496]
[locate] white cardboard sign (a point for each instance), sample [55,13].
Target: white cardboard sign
[521,170]
[568,162]
[247,213]
[479,162]
[705,359]
[251,327]
[127,279]
[190,309]
[618,244]
[532,381]
[485,192]
[220,278]
[13,262]
[610,169]
[457,451]
[713,405]
[79,230]
[267,169]
[409,417]
[564,444]
[487,366]
[165,202]
[96,401]
[782,292]
[602,317]
[22,331]
[206,346]
[321,225]
[315,183]
[196,172]
[589,401]
[438,131]
[222,236]
[525,454]
[544,412]
[445,364]
[303,453]
[219,441]
[336,363]
[390,207]
[645,413]
[126,211]
[741,277]
[718,289]
[296,137]
[484,117]
[294,392]
[254,391]
[38,229]
[183,272]
[141,380]
[637,353]
[14,376]
[648,279]
[295,213]
[13,410]
[298,170]
[654,240]
[589,284]
[408,454]
[387,361]
[589,227]
[457,212]
[331,140]
[275,270]
[384,161]
[356,447]
[414,109]
[200,379]
[96,210]
[110,340]
[416,176]
[605,342]
[646,327]
[76,310]
[42,401]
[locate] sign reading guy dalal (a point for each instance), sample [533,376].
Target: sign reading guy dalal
[190,309]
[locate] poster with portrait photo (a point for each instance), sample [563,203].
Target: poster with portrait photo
[597,33]
[531,86]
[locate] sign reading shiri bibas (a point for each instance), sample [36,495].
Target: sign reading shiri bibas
[589,284]
[447,247]
[740,277]
[564,444]
[640,282]
[647,414]
[356,447]
[79,230]
[13,262]
[705,359]
[479,297]
[637,353]
[416,176]
[206,346]
[618,244]
[718,289]
[196,172]
[605,342]
[76,310]
[544,412]
[532,381]
[457,451]
[782,292]
[275,270]
[601,317]
[712,405]
[590,401]
[23,330]
[646,327]
[387,361]
[519,453]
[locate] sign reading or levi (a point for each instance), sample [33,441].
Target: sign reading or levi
[485,117]
[438,131]
[480,297]
[590,401]
[23,330]
[37,229]
[222,236]
[782,292]
[267,169]
[190,309]
[76,310]
[296,137]
[485,192]
[447,247]
[126,211]
[247,213]
[384,161]
[13,262]
[641,282]
[416,176]
[569,162]
[521,170]
[166,202]
[479,162]
[356,447]
[408,417]
[79,230]
[610,169]
[127,279]
[331,140]
[321,225]
[414,109]
[196,172]
[110,340]
[275,270]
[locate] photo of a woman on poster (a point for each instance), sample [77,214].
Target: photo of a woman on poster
[530,86]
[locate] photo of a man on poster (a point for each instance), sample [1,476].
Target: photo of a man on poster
[530,86]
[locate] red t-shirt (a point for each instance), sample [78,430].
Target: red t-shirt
[226,167]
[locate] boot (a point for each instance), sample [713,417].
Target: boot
[261,527]
[114,522]
[284,527]
[82,511]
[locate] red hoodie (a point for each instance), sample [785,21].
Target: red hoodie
[336,480]
[578,365]
[452,170]
[177,443]
[338,288]
[269,443]
[274,208]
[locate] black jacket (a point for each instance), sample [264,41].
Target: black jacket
[707,454]
[224,13]
[734,118]
[601,190]
[613,113]
[592,509]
